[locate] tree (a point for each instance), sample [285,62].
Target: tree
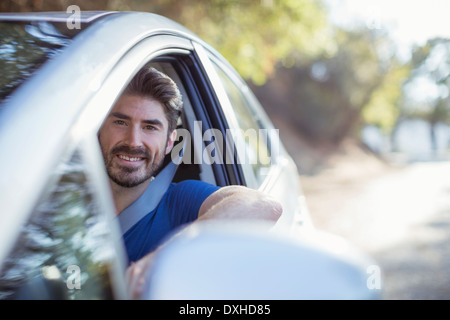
[253,35]
[426,93]
[326,96]
[383,109]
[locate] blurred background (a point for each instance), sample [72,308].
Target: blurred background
[360,92]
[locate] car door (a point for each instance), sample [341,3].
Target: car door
[64,240]
[60,237]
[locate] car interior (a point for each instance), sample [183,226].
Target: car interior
[187,169]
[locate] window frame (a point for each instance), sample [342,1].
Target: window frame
[83,133]
[208,109]
[207,58]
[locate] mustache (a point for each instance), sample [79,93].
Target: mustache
[137,152]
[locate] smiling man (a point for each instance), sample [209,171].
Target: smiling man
[134,141]
[135,138]
[138,133]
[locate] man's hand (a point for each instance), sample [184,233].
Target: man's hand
[137,274]
[238,202]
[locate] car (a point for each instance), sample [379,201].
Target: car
[59,235]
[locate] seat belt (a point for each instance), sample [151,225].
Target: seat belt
[151,197]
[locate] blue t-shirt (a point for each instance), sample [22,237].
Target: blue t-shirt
[179,205]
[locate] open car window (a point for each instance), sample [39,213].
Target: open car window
[190,126]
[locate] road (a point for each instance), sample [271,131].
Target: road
[400,216]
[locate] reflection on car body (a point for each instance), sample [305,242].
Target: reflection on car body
[64,230]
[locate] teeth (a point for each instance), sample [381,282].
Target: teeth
[128,158]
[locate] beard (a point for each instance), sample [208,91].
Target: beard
[128,176]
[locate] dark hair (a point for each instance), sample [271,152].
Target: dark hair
[151,83]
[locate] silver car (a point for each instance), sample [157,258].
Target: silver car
[59,236]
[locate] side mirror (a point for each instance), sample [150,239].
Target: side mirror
[239,261]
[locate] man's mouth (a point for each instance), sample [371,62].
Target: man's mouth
[131,157]
[128,158]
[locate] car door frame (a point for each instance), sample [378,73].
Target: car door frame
[282,180]
[83,133]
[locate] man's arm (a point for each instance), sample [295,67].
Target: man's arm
[231,202]
[238,202]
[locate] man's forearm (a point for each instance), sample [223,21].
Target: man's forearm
[237,202]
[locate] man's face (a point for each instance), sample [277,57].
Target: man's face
[134,140]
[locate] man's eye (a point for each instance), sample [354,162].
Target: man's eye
[151,128]
[119,122]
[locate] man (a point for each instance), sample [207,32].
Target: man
[135,138]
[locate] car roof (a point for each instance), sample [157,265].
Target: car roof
[54,16]
[153,21]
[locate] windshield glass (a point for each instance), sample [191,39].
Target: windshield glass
[24,48]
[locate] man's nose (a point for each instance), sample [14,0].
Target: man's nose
[133,137]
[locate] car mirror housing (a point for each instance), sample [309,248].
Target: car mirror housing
[243,261]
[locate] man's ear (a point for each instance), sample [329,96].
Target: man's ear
[171,141]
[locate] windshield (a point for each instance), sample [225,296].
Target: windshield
[24,48]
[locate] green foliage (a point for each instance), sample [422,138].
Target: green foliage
[383,108]
[253,35]
[326,81]
[325,97]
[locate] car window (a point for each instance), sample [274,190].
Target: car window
[257,152]
[24,48]
[64,250]
[193,165]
